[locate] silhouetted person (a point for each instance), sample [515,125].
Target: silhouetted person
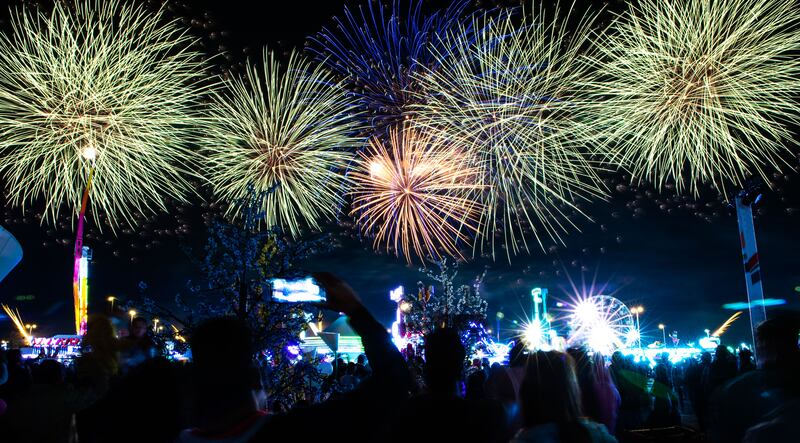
[746,363]
[440,414]
[665,405]
[551,407]
[362,367]
[599,397]
[766,399]
[631,383]
[18,378]
[605,390]
[723,368]
[45,412]
[503,385]
[475,386]
[224,400]
[702,393]
[137,346]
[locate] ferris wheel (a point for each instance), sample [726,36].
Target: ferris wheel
[601,323]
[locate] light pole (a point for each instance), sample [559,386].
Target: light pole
[31,327]
[155,325]
[638,310]
[111,299]
[500,316]
[707,331]
[663,333]
[132,313]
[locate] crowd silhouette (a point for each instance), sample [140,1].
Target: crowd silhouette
[121,390]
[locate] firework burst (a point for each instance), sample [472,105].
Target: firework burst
[97,85]
[505,93]
[413,194]
[284,130]
[379,48]
[698,91]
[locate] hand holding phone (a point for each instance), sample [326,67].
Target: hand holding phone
[341,297]
[303,290]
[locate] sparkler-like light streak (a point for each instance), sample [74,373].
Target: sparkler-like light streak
[724,327]
[412,192]
[506,93]
[285,129]
[18,323]
[379,48]
[698,91]
[104,85]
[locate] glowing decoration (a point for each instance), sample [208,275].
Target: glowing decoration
[698,91]
[284,130]
[764,302]
[412,193]
[80,289]
[602,323]
[398,327]
[533,335]
[177,334]
[724,327]
[652,355]
[10,252]
[17,320]
[378,49]
[104,85]
[505,92]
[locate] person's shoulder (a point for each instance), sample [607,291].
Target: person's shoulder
[598,432]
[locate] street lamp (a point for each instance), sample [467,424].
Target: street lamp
[500,316]
[31,328]
[111,299]
[155,325]
[663,334]
[707,331]
[638,310]
[132,313]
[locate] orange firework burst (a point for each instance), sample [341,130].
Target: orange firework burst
[413,192]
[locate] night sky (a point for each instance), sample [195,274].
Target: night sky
[679,259]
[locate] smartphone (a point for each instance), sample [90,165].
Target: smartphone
[304,290]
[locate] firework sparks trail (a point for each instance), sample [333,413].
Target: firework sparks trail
[697,91]
[98,84]
[412,193]
[507,95]
[286,130]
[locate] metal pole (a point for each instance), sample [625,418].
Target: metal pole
[80,292]
[750,259]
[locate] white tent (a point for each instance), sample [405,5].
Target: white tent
[10,252]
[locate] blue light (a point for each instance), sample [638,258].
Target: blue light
[738,306]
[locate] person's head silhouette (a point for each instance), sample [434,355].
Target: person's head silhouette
[444,360]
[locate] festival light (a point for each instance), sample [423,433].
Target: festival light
[506,93]
[601,323]
[283,129]
[764,302]
[697,91]
[378,49]
[533,335]
[102,86]
[17,320]
[177,334]
[412,192]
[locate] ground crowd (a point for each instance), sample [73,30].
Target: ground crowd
[121,391]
